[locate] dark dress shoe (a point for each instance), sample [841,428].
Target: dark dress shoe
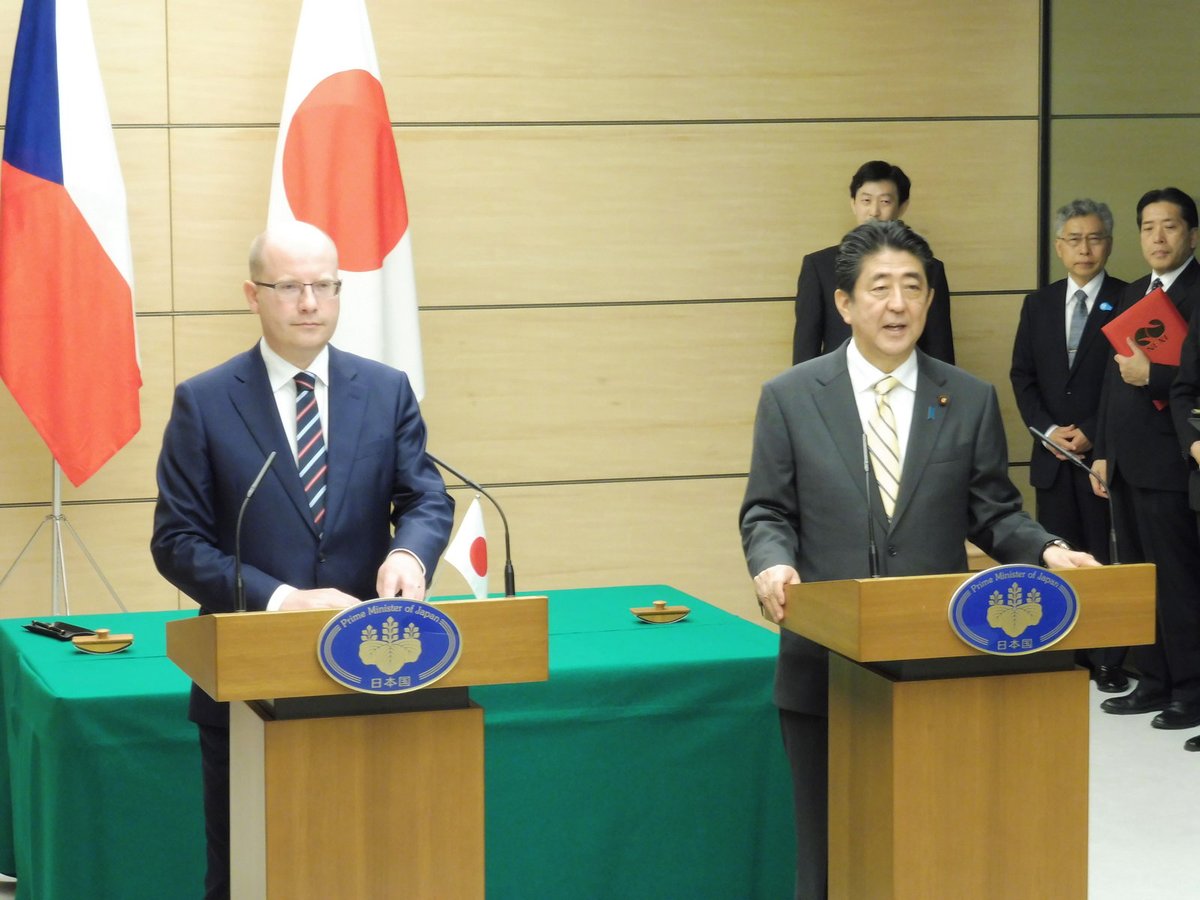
[1135,703]
[1192,744]
[1178,714]
[1110,679]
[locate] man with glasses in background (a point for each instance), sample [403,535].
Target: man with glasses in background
[1058,363]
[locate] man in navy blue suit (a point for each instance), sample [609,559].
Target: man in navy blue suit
[369,517]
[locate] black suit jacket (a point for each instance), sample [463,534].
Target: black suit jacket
[820,327]
[1047,391]
[1185,396]
[1134,436]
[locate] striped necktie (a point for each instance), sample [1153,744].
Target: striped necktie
[1154,285]
[883,443]
[310,446]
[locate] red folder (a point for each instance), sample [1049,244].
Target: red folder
[1155,325]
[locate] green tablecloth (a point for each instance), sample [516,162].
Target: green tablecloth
[649,765]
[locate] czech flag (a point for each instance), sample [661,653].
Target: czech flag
[336,167]
[468,550]
[68,349]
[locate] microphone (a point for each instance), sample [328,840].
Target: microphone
[1078,461]
[510,580]
[872,551]
[237,539]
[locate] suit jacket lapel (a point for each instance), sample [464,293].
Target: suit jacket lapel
[347,411]
[928,416]
[1097,318]
[1182,285]
[838,407]
[254,401]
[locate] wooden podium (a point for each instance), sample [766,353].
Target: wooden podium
[955,773]
[343,794]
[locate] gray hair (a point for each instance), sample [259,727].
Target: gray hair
[1083,207]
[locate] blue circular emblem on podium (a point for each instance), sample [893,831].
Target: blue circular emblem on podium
[388,646]
[1013,610]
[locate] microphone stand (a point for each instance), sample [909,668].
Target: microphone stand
[872,550]
[1075,459]
[237,534]
[510,579]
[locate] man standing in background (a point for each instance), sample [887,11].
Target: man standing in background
[1138,453]
[1058,363]
[1185,401]
[878,191]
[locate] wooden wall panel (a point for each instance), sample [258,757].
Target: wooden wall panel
[984,329]
[592,214]
[116,534]
[1101,59]
[682,533]
[1117,161]
[708,60]
[596,214]
[565,394]
[220,183]
[571,60]
[131,48]
[202,342]
[145,166]
[25,463]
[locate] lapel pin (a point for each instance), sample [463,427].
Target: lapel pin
[1105,306]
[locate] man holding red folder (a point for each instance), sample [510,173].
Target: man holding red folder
[1138,451]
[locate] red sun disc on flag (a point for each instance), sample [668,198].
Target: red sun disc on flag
[479,556]
[341,172]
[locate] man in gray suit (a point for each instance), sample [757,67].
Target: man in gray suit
[939,476]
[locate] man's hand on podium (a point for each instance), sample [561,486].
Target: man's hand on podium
[1055,557]
[769,586]
[319,598]
[401,575]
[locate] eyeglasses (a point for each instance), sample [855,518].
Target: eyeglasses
[291,290]
[1076,241]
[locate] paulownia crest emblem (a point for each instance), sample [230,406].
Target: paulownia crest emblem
[1016,613]
[389,652]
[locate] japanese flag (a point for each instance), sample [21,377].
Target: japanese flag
[468,550]
[336,167]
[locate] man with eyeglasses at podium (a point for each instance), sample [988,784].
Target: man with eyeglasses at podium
[350,467]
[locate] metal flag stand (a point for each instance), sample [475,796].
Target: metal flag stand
[60,601]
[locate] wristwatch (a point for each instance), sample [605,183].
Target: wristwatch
[1057,542]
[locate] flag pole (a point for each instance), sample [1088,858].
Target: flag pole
[60,600]
[58,562]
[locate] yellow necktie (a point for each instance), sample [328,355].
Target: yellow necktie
[884,445]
